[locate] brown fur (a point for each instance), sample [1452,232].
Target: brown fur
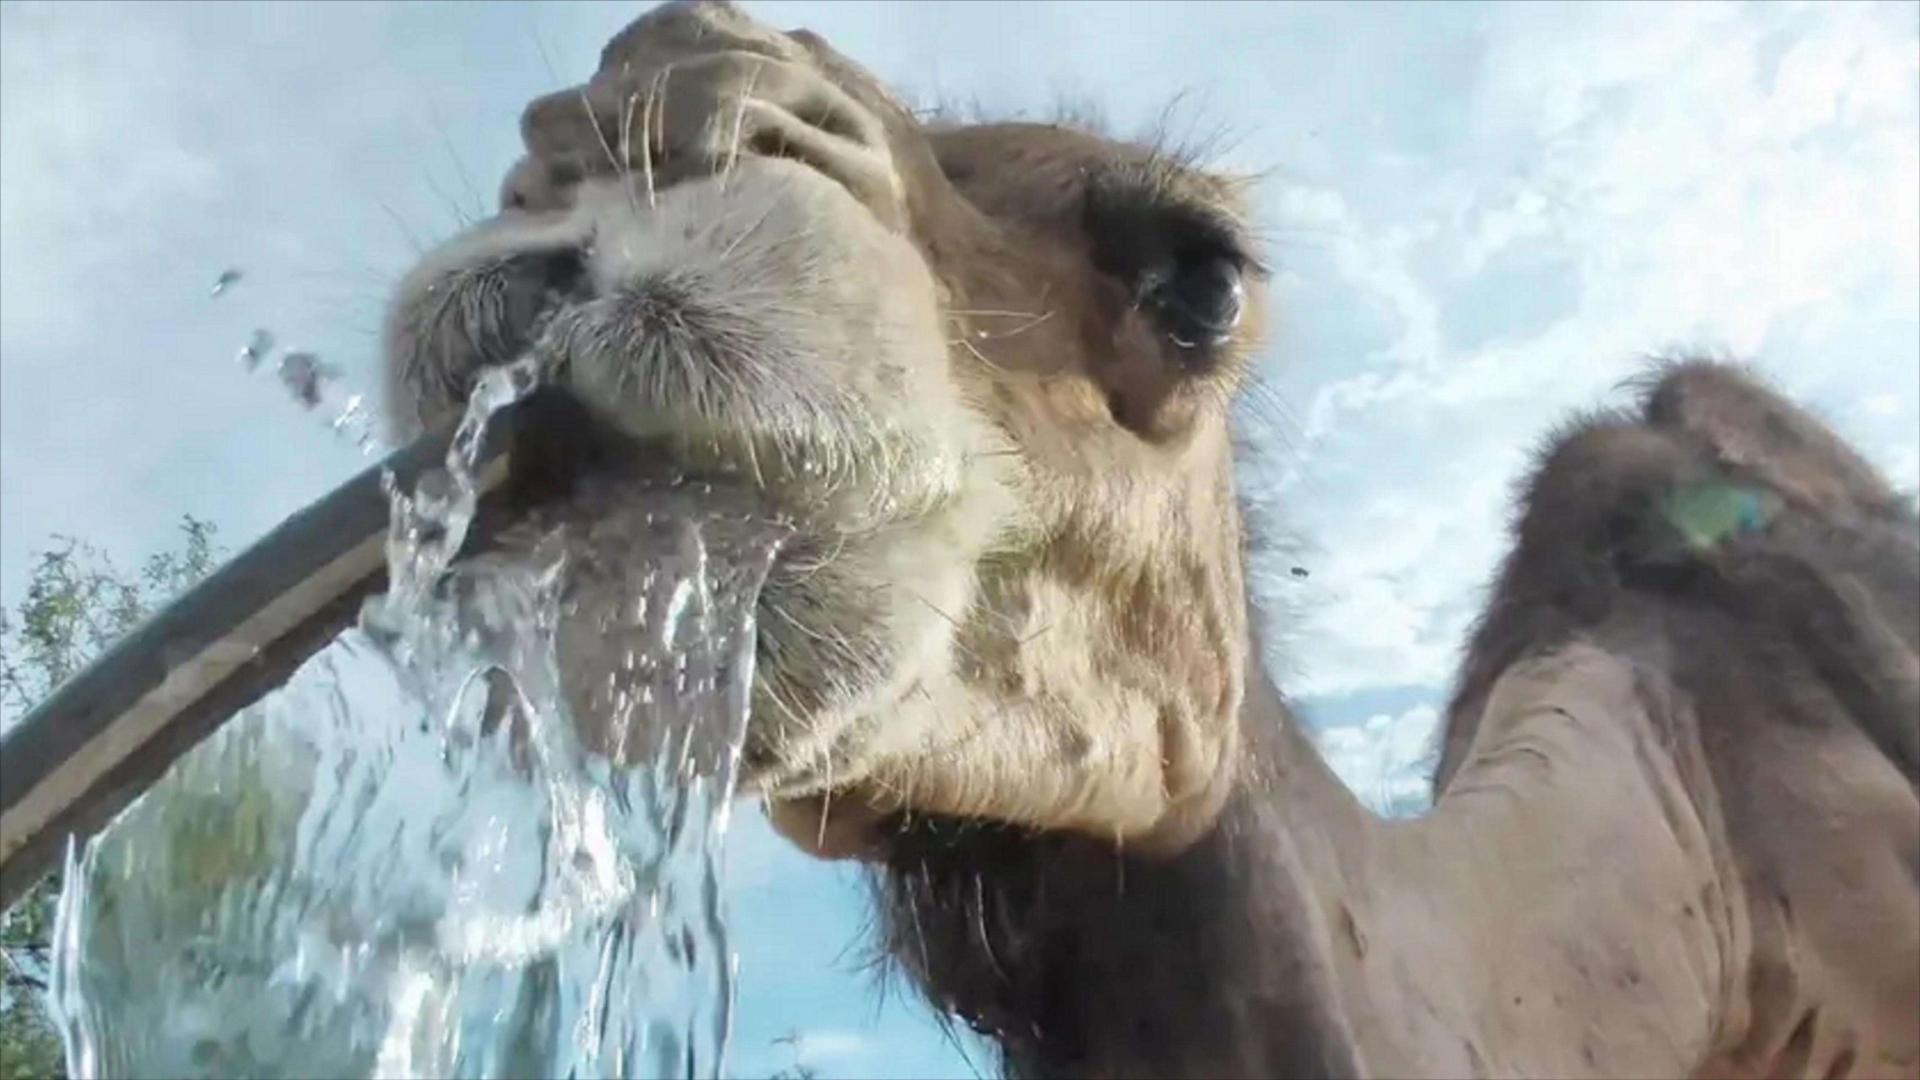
[1797,640]
[1008,657]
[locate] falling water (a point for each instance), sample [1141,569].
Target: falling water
[479,836]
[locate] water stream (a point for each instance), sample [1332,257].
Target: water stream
[414,860]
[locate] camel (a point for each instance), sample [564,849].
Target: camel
[1009,662]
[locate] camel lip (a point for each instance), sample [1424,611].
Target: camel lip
[566,465]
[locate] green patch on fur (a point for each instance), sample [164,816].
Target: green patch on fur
[1709,513]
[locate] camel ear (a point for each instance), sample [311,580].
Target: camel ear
[1747,426]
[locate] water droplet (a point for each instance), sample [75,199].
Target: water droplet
[306,376]
[256,349]
[226,280]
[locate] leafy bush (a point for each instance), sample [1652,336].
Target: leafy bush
[77,603]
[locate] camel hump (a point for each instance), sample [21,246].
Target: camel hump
[1747,425]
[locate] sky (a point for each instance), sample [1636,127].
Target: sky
[1483,217]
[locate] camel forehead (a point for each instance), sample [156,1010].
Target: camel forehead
[1012,168]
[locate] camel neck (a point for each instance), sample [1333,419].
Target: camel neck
[1304,936]
[1520,926]
[1082,960]
[1359,906]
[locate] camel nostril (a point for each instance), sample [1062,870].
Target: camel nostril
[1199,300]
[536,185]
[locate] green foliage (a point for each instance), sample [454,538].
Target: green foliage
[28,1048]
[77,603]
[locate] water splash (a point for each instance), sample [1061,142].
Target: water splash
[314,384]
[480,836]
[318,386]
[306,377]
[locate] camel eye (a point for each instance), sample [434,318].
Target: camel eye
[1183,265]
[1198,298]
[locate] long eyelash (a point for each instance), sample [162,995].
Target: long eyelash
[1148,189]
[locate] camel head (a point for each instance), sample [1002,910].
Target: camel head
[985,370]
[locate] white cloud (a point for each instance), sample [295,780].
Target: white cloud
[1689,188]
[79,177]
[146,148]
[832,1047]
[1387,760]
